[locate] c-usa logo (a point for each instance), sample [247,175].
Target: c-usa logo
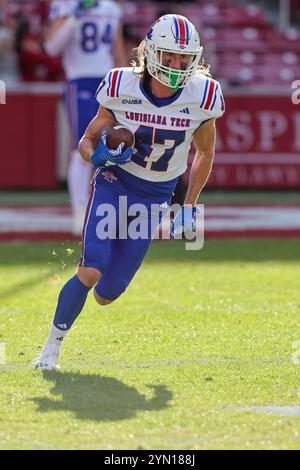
[131,101]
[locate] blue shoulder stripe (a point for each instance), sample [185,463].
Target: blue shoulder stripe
[102,84]
[222,103]
[215,97]
[205,93]
[109,83]
[119,81]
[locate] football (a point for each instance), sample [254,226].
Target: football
[117,134]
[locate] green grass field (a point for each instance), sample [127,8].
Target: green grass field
[197,339]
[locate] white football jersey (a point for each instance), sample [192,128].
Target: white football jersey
[163,128]
[89,53]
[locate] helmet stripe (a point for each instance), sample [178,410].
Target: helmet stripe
[176,30]
[181,32]
[187,31]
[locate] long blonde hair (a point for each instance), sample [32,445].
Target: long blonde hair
[138,63]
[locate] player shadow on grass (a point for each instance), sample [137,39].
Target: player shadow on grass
[99,398]
[26,284]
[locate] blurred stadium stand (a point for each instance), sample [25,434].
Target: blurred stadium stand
[253,48]
[237,36]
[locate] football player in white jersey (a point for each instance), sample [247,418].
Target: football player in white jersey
[168,101]
[88,36]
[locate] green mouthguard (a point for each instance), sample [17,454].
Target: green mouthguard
[86,4]
[173,76]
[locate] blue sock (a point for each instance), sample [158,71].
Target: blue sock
[71,300]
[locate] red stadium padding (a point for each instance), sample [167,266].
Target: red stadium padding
[28,141]
[258,144]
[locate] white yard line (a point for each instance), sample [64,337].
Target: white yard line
[217,219]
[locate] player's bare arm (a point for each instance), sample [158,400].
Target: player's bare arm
[204,139]
[119,51]
[88,142]
[59,34]
[54,26]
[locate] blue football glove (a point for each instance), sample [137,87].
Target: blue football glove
[122,158]
[185,220]
[104,156]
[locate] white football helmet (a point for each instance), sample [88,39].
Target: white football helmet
[173,34]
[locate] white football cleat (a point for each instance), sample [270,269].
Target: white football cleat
[48,358]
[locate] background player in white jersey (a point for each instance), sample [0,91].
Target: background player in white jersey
[167,102]
[88,35]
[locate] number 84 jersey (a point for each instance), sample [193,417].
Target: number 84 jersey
[163,127]
[88,54]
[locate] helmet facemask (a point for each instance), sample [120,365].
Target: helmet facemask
[171,77]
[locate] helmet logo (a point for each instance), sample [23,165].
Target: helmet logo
[150,32]
[181,32]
